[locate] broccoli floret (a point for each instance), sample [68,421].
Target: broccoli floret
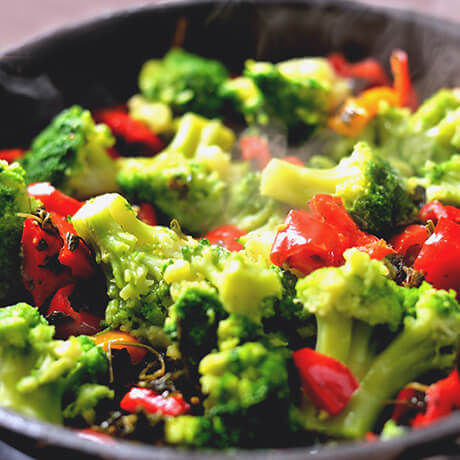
[441,181]
[299,92]
[350,303]
[244,386]
[183,189]
[185,81]
[156,115]
[246,98]
[431,133]
[38,373]
[372,191]
[13,200]
[133,256]
[71,153]
[192,321]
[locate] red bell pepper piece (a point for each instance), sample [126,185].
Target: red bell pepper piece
[439,257]
[434,210]
[53,200]
[326,381]
[226,236]
[130,130]
[442,398]
[79,323]
[401,79]
[147,214]
[43,274]
[368,69]
[154,403]
[293,160]
[409,242]
[255,148]
[74,253]
[317,238]
[11,155]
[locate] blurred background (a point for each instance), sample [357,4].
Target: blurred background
[21,20]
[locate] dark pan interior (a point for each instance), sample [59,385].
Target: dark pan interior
[96,63]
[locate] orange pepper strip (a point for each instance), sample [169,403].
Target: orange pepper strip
[114,338]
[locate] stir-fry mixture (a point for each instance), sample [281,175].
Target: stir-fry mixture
[263,260]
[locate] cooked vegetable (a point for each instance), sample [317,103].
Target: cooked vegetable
[13,200]
[372,191]
[185,81]
[37,372]
[71,154]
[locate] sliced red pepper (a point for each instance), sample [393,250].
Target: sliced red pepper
[78,323]
[74,253]
[326,381]
[409,242]
[226,236]
[317,238]
[11,155]
[255,148]
[53,200]
[117,340]
[147,214]
[409,402]
[154,403]
[368,69]
[293,160]
[43,274]
[442,398]
[130,130]
[434,210]
[402,82]
[439,257]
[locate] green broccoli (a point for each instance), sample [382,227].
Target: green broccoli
[133,256]
[441,181]
[372,191]
[183,189]
[13,200]
[192,321]
[246,98]
[431,133]
[185,81]
[39,374]
[156,115]
[350,303]
[299,92]
[71,154]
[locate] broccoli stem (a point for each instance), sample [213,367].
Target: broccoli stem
[334,336]
[360,356]
[409,356]
[295,185]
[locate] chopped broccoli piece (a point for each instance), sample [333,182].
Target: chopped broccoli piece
[372,191]
[133,256]
[431,133]
[299,92]
[185,81]
[193,320]
[350,303]
[71,153]
[183,189]
[39,373]
[13,200]
[440,180]
[246,99]
[156,115]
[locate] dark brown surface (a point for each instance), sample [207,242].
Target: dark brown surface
[21,20]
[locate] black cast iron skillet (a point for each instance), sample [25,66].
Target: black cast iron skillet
[96,63]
